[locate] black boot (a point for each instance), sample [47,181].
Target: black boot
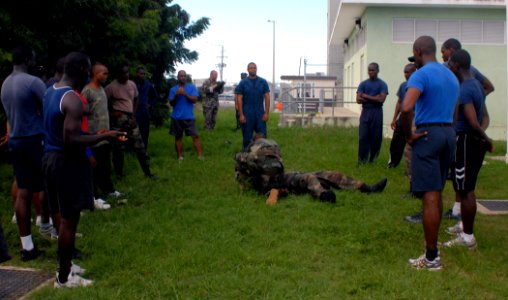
[376,188]
[327,196]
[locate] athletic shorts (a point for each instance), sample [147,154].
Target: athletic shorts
[26,156]
[68,182]
[178,127]
[431,158]
[469,157]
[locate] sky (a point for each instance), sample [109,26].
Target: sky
[242,29]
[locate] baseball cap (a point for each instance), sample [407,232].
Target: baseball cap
[243,75]
[411,59]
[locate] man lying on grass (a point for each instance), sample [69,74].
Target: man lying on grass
[261,167]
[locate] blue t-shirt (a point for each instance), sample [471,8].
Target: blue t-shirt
[439,90]
[22,100]
[401,93]
[372,88]
[54,118]
[253,92]
[183,109]
[471,91]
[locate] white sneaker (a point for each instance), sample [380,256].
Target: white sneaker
[115,194]
[455,229]
[101,204]
[460,241]
[72,281]
[77,270]
[38,221]
[14,219]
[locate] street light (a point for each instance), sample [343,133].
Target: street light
[272,96]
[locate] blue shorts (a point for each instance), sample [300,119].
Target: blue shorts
[26,156]
[431,158]
[468,161]
[178,127]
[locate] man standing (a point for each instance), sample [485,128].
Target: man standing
[182,97]
[398,142]
[211,90]
[432,93]
[98,121]
[447,50]
[371,94]
[123,101]
[22,100]
[243,75]
[253,105]
[67,170]
[472,143]
[147,97]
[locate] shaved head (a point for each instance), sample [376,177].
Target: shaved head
[425,44]
[98,68]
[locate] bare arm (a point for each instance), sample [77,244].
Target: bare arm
[240,108]
[470,114]
[407,115]
[267,107]
[396,113]
[486,118]
[379,98]
[488,87]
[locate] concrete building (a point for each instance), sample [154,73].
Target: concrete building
[364,31]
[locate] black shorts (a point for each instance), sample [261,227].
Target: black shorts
[68,182]
[26,156]
[178,127]
[469,157]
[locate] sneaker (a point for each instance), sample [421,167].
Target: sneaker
[54,234]
[416,219]
[115,194]
[180,159]
[455,229]
[101,204]
[77,270]
[201,157]
[73,281]
[449,215]
[14,219]
[422,262]
[459,241]
[30,255]
[46,229]
[38,221]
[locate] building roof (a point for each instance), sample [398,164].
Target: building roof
[350,10]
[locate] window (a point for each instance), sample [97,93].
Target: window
[403,30]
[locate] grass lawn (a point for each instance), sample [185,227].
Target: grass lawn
[194,234]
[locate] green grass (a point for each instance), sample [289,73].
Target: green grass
[194,234]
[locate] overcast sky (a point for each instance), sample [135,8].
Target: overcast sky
[242,28]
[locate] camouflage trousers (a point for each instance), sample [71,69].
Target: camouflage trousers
[316,183]
[210,109]
[124,122]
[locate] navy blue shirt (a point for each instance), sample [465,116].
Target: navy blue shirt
[471,91]
[54,118]
[372,88]
[253,92]
[401,93]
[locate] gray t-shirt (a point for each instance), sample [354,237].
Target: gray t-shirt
[22,100]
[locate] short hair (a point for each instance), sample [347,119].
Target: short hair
[452,44]
[21,54]
[60,64]
[251,63]
[462,58]
[75,63]
[140,68]
[375,64]
[425,44]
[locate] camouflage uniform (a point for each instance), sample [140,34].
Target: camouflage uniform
[260,166]
[211,91]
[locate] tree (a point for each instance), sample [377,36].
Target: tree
[148,32]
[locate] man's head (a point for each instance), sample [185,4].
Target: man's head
[99,73]
[449,47]
[459,61]
[77,69]
[243,75]
[252,69]
[141,72]
[373,70]
[408,70]
[213,75]
[182,77]
[424,48]
[23,55]
[123,73]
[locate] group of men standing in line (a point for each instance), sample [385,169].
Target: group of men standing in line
[443,118]
[60,142]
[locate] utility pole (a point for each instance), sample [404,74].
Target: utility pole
[221,65]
